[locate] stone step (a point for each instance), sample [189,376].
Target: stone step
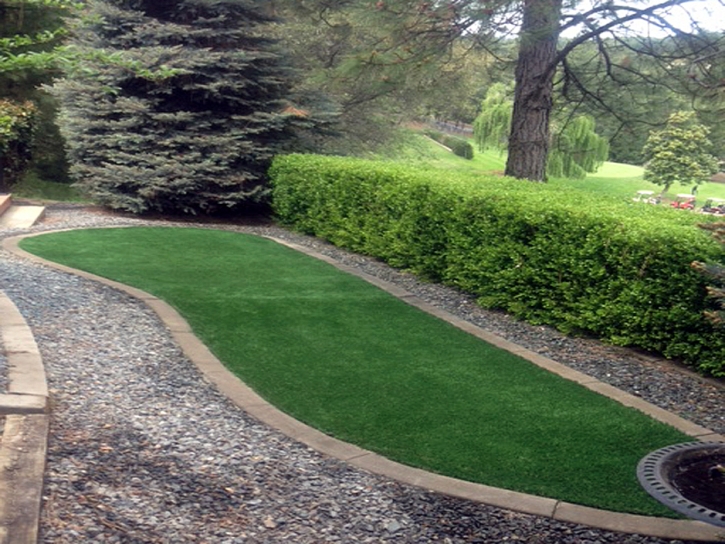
[18,216]
[5,202]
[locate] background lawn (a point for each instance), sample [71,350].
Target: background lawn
[620,181]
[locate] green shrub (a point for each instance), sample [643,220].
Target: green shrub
[578,262]
[17,121]
[433,134]
[715,272]
[458,146]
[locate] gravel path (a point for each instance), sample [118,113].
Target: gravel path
[142,450]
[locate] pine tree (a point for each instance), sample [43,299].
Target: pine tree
[177,107]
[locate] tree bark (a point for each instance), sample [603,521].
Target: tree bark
[529,138]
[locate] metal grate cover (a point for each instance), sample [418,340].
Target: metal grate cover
[654,471]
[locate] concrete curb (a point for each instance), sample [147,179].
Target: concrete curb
[24,442]
[248,400]
[21,216]
[22,464]
[5,202]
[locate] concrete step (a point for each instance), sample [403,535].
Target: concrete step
[5,202]
[18,216]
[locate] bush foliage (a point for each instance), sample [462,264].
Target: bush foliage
[459,146]
[586,266]
[715,271]
[17,121]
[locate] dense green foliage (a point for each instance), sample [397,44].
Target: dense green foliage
[30,33]
[459,146]
[580,262]
[31,38]
[493,123]
[577,149]
[182,110]
[680,153]
[16,133]
[715,272]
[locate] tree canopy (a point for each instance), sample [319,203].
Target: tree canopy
[550,34]
[30,33]
[680,153]
[363,57]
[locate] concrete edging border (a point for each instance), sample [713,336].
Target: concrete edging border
[24,444]
[247,399]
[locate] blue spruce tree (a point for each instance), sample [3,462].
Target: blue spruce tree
[175,106]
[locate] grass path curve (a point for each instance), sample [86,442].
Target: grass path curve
[351,360]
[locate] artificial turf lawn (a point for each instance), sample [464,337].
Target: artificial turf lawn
[361,365]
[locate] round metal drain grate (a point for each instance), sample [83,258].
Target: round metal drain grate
[657,470]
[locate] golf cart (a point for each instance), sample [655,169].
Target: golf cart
[647,197]
[684,201]
[713,206]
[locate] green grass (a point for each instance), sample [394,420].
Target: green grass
[361,365]
[615,180]
[422,151]
[32,187]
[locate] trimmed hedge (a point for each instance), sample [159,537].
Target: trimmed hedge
[583,264]
[458,146]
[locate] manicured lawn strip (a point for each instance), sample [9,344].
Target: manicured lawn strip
[355,362]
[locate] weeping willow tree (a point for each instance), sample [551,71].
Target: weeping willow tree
[575,149]
[492,125]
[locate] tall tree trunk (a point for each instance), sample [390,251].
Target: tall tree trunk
[529,138]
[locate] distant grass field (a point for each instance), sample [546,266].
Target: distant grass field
[624,180]
[613,179]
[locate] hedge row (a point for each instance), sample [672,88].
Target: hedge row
[613,270]
[459,146]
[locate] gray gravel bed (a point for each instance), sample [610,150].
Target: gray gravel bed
[143,450]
